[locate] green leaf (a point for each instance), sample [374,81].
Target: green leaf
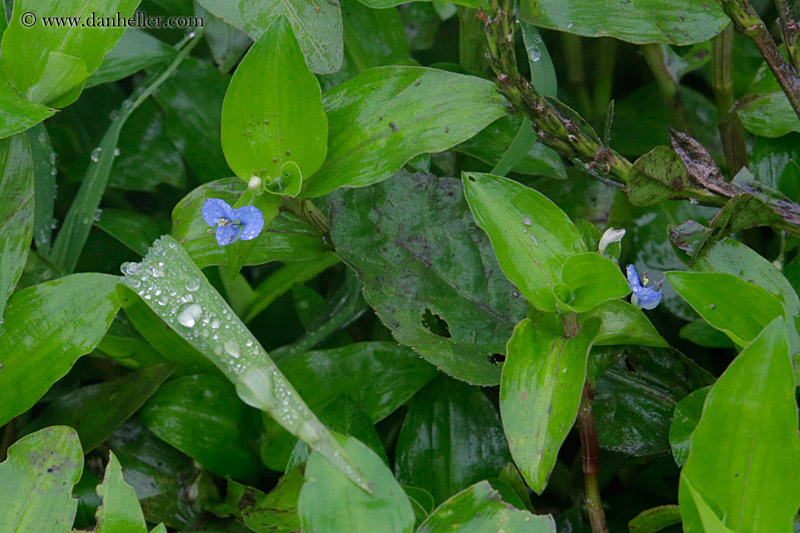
[657,176]
[531,236]
[168,269]
[203,417]
[709,520]
[372,37]
[71,315]
[422,502]
[480,508]
[191,100]
[428,271]
[132,228]
[227,44]
[732,257]
[36,59]
[316,23]
[383,4]
[387,509]
[38,476]
[44,177]
[95,411]
[134,51]
[452,437]
[678,22]
[286,238]
[272,113]
[543,379]
[16,113]
[635,397]
[120,512]
[16,212]
[655,519]
[623,323]
[346,417]
[720,299]
[278,509]
[385,116]
[687,415]
[768,115]
[752,409]
[592,279]
[160,474]
[491,143]
[543,73]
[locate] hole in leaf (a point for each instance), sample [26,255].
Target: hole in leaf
[496,358]
[435,324]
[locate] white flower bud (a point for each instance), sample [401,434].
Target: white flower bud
[610,235]
[254,184]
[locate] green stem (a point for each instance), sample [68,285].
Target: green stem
[305,209]
[730,127]
[668,85]
[576,76]
[604,74]
[590,449]
[747,21]
[790,31]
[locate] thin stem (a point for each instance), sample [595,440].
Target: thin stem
[668,85]
[591,449]
[604,74]
[576,77]
[307,211]
[790,30]
[730,127]
[747,21]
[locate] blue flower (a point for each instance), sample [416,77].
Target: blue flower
[232,224]
[642,296]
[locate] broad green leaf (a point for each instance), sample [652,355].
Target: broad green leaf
[677,22]
[385,116]
[387,509]
[160,475]
[44,172]
[543,73]
[202,416]
[278,509]
[188,303]
[531,236]
[491,143]
[38,476]
[316,23]
[48,327]
[657,176]
[272,113]
[346,417]
[95,411]
[452,437]
[16,212]
[709,520]
[422,502]
[372,37]
[284,279]
[132,228]
[16,113]
[592,279]
[543,379]
[480,508]
[37,59]
[286,238]
[379,376]
[428,271]
[732,257]
[700,333]
[623,323]
[737,308]
[120,512]
[146,157]
[135,51]
[769,115]
[191,100]
[752,409]
[655,519]
[227,44]
[684,420]
[635,397]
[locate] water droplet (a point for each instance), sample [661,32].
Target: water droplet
[116,152]
[97,215]
[526,220]
[113,115]
[190,314]
[53,171]
[534,53]
[232,349]
[215,324]
[192,284]
[95,156]
[533,238]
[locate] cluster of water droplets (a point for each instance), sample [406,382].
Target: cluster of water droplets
[526,222]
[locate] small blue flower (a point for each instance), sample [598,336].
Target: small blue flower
[642,296]
[232,224]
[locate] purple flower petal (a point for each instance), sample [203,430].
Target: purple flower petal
[253,221]
[633,277]
[643,297]
[215,209]
[226,235]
